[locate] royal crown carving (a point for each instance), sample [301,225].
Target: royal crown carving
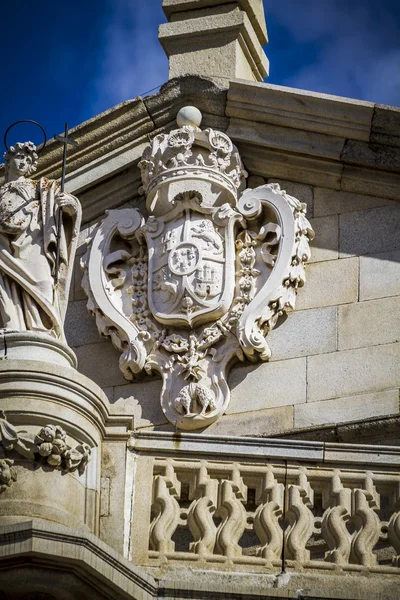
[203,280]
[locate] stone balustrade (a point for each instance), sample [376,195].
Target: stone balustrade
[265,506]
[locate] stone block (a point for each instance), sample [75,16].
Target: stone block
[175,10]
[304,333]
[362,179]
[221,45]
[375,155]
[329,283]
[369,323]
[285,139]
[301,191]
[325,245]
[80,327]
[386,125]
[267,385]
[333,202]
[300,109]
[142,400]
[274,163]
[370,231]
[380,275]
[261,422]
[355,371]
[350,408]
[99,362]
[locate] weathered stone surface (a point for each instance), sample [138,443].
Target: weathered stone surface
[267,385]
[345,409]
[355,371]
[329,283]
[286,139]
[369,323]
[375,155]
[364,180]
[112,497]
[80,328]
[279,164]
[142,400]
[332,202]
[72,562]
[306,332]
[370,231]
[386,125]
[326,242]
[99,362]
[174,10]
[304,193]
[264,422]
[380,275]
[300,109]
[203,45]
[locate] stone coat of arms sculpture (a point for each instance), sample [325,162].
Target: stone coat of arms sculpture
[202,281]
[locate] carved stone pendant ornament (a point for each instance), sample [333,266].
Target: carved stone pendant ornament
[203,280]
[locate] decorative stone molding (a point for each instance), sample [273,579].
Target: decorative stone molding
[165,291]
[49,443]
[266,514]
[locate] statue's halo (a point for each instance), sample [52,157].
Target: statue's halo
[26,121]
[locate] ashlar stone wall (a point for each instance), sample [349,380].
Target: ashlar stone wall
[335,359]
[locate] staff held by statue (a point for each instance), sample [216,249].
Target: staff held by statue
[65,141]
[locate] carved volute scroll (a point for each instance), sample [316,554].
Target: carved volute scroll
[301,519]
[166,490]
[266,519]
[200,515]
[338,512]
[366,506]
[203,280]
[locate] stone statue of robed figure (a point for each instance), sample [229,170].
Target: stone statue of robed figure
[33,297]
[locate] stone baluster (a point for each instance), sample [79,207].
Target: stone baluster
[394,528]
[266,519]
[167,489]
[366,505]
[200,516]
[334,530]
[301,519]
[232,495]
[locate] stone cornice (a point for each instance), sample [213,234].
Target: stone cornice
[268,448]
[81,552]
[280,132]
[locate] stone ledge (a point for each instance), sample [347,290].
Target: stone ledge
[300,109]
[60,548]
[374,430]
[272,447]
[173,9]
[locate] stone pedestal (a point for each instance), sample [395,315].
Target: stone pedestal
[221,39]
[52,422]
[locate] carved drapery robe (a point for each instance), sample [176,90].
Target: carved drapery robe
[29,211]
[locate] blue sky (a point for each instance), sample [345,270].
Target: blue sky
[68,61]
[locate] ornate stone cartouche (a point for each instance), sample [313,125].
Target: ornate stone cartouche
[203,280]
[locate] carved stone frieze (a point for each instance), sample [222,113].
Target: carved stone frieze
[203,280]
[48,445]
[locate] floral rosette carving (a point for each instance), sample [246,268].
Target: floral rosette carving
[49,445]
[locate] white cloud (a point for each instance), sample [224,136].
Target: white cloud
[133,61]
[358,46]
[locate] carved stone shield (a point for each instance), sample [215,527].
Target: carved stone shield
[191,266]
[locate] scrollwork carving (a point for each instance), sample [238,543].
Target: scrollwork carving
[204,279]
